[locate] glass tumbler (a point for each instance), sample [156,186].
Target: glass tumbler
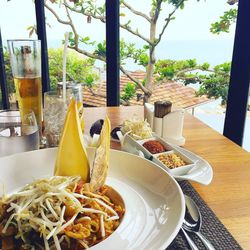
[25,58]
[18,134]
[54,113]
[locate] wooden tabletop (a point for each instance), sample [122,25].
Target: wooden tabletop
[229,193]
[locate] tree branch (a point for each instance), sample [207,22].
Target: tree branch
[138,13]
[139,84]
[72,25]
[193,79]
[56,16]
[95,93]
[183,71]
[101,18]
[232,2]
[168,19]
[88,54]
[136,33]
[157,10]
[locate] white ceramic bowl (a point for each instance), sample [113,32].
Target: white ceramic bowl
[154,202]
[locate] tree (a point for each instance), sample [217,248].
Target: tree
[226,20]
[79,69]
[144,56]
[213,81]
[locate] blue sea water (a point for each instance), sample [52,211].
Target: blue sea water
[212,51]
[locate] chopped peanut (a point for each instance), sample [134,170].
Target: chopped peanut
[171,160]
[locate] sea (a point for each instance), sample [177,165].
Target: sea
[214,52]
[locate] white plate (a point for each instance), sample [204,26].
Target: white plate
[154,202]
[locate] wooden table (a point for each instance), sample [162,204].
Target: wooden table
[229,193]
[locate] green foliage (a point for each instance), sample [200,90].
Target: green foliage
[213,82]
[89,81]
[86,40]
[175,2]
[169,68]
[129,50]
[223,68]
[128,91]
[8,72]
[81,40]
[216,86]
[101,49]
[86,6]
[192,63]
[78,68]
[142,59]
[72,41]
[225,22]
[205,66]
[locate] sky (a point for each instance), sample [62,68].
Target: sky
[192,23]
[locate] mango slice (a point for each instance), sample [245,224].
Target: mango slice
[101,161]
[72,156]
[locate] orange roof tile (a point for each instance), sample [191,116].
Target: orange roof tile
[180,95]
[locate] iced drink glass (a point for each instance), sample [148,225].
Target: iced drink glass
[54,115]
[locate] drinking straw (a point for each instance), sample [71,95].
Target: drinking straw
[64,65]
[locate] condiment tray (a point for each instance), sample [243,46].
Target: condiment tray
[170,150]
[195,168]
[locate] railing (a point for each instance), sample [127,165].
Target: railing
[240,72]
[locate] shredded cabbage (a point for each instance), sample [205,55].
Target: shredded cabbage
[138,128]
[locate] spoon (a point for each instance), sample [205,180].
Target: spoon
[190,242]
[192,221]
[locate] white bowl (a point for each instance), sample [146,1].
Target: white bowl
[153,200]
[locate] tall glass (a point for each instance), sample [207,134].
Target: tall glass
[54,115]
[25,58]
[16,134]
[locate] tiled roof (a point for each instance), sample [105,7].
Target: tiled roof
[180,95]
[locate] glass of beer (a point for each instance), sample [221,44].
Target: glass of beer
[25,58]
